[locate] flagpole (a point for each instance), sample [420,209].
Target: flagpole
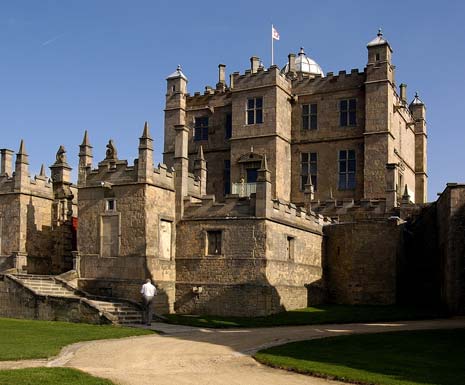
[272,46]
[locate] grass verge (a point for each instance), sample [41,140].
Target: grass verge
[395,358]
[314,315]
[49,376]
[25,339]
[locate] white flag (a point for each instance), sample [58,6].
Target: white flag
[274,33]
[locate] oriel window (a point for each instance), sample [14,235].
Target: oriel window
[255,110]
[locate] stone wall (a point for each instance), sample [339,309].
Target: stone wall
[18,302]
[255,274]
[357,270]
[451,230]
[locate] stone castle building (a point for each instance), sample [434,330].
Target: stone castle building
[284,188]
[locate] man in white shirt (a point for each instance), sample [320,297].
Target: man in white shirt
[148,291]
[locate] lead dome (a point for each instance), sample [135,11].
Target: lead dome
[305,64]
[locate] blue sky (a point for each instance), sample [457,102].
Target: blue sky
[67,66]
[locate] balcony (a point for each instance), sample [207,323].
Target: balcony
[244,189]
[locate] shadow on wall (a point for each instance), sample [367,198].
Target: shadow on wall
[39,244]
[419,268]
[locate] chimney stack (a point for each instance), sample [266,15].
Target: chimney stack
[403,93]
[291,61]
[254,63]
[6,162]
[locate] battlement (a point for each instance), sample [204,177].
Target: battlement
[12,182]
[330,83]
[118,172]
[261,78]
[298,216]
[349,210]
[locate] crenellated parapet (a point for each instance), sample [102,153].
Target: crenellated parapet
[19,180]
[329,83]
[113,171]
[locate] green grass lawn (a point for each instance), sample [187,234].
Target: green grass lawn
[25,339]
[49,376]
[396,358]
[314,315]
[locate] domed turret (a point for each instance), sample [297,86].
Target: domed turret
[304,65]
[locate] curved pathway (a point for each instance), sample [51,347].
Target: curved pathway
[186,355]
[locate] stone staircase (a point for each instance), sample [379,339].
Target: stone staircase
[125,313]
[120,312]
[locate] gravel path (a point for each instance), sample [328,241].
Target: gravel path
[186,355]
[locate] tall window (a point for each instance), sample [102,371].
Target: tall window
[227,177]
[348,112]
[201,128]
[214,242]
[255,110]
[228,126]
[308,166]
[346,170]
[309,116]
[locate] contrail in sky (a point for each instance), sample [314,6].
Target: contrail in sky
[52,40]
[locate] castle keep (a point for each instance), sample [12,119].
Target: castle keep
[279,189]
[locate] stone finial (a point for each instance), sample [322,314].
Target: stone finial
[146,131]
[111,153]
[200,154]
[309,189]
[331,193]
[22,148]
[42,171]
[406,195]
[21,156]
[85,140]
[61,155]
[264,164]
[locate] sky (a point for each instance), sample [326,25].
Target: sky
[100,65]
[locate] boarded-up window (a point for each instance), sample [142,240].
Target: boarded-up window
[165,239]
[110,236]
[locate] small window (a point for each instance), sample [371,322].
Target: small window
[290,248]
[377,57]
[201,128]
[309,116]
[348,112]
[255,110]
[308,166]
[347,170]
[228,126]
[110,205]
[214,242]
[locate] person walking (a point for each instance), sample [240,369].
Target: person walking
[148,291]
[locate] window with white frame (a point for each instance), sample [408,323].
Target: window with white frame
[347,169]
[255,110]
